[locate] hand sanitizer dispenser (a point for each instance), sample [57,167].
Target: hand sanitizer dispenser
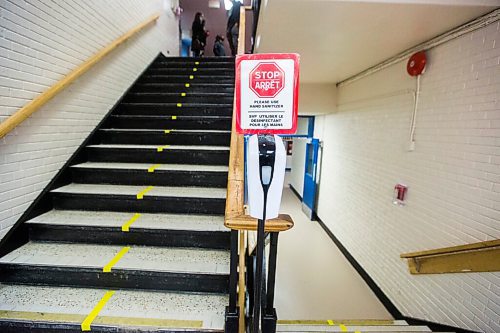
[266,161]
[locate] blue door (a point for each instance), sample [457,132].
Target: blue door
[310,175]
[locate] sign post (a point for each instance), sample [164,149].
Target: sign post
[266,105]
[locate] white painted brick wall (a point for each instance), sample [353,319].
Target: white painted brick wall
[453,177]
[42,41]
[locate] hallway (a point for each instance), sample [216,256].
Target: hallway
[315,280]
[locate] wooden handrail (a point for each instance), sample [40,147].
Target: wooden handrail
[476,257]
[22,114]
[453,249]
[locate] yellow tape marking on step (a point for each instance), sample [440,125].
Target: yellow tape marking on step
[195,69]
[174,117]
[183,94]
[153,167]
[197,63]
[93,314]
[187,85]
[330,322]
[160,149]
[140,195]
[167,131]
[102,320]
[126,226]
[179,105]
[191,77]
[118,256]
[343,328]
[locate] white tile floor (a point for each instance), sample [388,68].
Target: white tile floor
[314,279]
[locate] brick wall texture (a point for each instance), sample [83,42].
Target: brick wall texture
[453,176]
[41,42]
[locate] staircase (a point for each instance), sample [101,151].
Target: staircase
[130,236]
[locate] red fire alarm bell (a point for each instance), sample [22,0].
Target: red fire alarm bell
[416,63]
[399,194]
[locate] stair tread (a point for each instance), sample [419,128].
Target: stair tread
[192,104]
[138,258]
[162,131]
[208,308]
[170,147]
[146,166]
[161,191]
[351,328]
[157,93]
[145,221]
[162,117]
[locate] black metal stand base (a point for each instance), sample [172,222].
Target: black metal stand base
[232,320]
[269,322]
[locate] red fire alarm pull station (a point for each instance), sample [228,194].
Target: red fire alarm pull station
[267,93]
[399,194]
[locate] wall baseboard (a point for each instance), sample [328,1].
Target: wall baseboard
[391,308]
[294,191]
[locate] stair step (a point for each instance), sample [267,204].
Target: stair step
[187,78]
[102,227]
[351,328]
[171,109]
[145,167]
[160,137]
[177,69]
[150,174]
[203,155]
[168,122]
[62,309]
[81,265]
[157,191]
[179,97]
[192,64]
[346,322]
[189,60]
[160,199]
[181,87]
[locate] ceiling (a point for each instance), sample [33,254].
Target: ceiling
[337,39]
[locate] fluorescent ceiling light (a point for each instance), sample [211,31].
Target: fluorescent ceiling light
[214,4]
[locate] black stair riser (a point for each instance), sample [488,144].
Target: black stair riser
[156,178]
[160,138]
[191,65]
[177,98]
[185,79]
[171,109]
[181,122]
[127,203]
[28,326]
[136,236]
[116,279]
[187,60]
[181,87]
[177,156]
[177,70]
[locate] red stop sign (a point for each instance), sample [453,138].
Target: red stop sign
[267,79]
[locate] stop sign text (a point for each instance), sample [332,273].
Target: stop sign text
[267,79]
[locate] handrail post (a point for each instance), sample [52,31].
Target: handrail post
[269,317]
[232,311]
